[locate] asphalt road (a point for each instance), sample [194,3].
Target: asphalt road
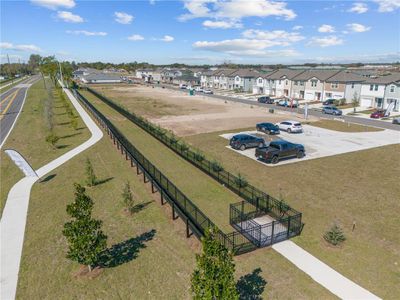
[11,102]
[311,112]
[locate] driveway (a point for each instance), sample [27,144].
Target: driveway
[320,142]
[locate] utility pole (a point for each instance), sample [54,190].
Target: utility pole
[9,69]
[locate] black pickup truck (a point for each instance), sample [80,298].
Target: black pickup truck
[279,149]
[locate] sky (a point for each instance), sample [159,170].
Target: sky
[202,31]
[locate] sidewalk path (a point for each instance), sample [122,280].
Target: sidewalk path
[12,224]
[322,273]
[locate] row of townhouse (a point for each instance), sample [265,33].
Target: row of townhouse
[310,84]
[166,75]
[229,79]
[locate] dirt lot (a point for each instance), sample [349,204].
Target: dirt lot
[188,115]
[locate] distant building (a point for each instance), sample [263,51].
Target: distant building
[102,78]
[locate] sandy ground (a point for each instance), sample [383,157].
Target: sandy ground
[320,142]
[189,115]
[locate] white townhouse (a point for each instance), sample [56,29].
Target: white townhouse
[145,74]
[280,83]
[314,83]
[224,83]
[244,80]
[262,84]
[206,79]
[380,92]
[168,75]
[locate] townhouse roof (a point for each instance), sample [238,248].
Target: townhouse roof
[345,76]
[223,71]
[245,73]
[322,75]
[102,76]
[281,73]
[392,78]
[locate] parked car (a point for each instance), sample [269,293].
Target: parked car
[290,126]
[268,128]
[282,102]
[265,99]
[183,86]
[208,92]
[279,149]
[396,121]
[329,102]
[199,89]
[243,141]
[332,110]
[380,113]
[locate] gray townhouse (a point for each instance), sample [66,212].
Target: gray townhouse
[243,80]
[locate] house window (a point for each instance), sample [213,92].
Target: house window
[280,81]
[392,88]
[313,83]
[371,87]
[334,85]
[301,83]
[376,87]
[260,80]
[286,82]
[295,83]
[352,85]
[272,81]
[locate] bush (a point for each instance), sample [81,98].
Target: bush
[173,139]
[199,156]
[184,146]
[216,166]
[127,198]
[52,139]
[91,179]
[240,181]
[335,235]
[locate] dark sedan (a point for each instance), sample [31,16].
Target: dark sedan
[265,99]
[268,128]
[329,102]
[243,141]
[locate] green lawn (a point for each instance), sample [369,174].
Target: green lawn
[159,268]
[359,187]
[343,126]
[28,137]
[210,196]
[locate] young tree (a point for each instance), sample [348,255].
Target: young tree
[213,277]
[52,139]
[91,179]
[84,235]
[127,198]
[355,101]
[335,235]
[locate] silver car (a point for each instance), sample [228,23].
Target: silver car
[332,110]
[290,126]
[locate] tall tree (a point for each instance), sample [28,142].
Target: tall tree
[213,277]
[84,235]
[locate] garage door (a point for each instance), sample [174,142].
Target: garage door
[366,102]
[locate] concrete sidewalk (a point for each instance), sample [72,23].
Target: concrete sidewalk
[12,225]
[322,273]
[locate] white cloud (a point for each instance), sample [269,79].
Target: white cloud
[87,33]
[278,37]
[236,9]
[152,2]
[359,8]
[326,28]
[136,37]
[69,17]
[123,18]
[167,38]
[54,4]
[388,5]
[222,24]
[298,27]
[27,48]
[326,41]
[355,27]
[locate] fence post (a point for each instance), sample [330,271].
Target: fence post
[162,198]
[288,227]
[272,232]
[187,228]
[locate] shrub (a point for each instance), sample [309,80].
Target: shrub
[127,198]
[91,178]
[184,146]
[240,181]
[335,235]
[173,139]
[216,166]
[52,139]
[199,156]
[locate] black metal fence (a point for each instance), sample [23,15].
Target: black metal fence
[251,194]
[274,228]
[183,207]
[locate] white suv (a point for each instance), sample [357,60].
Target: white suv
[290,126]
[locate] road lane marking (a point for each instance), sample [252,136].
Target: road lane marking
[8,105]
[6,98]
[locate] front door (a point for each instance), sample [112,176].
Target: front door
[317,96]
[301,94]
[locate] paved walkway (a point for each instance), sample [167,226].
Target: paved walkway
[322,273]
[12,225]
